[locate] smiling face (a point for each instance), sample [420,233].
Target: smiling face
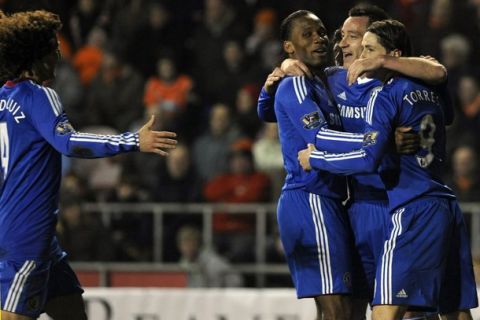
[372,49]
[353,30]
[308,41]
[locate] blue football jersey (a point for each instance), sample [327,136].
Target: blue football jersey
[352,103]
[34,132]
[302,109]
[401,102]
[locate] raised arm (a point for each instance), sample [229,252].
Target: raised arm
[426,69]
[265,104]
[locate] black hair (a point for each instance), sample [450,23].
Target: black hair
[337,35]
[335,48]
[371,11]
[286,26]
[392,35]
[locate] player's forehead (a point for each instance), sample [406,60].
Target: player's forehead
[370,39]
[308,21]
[356,25]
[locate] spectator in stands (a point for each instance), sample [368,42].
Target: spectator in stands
[82,234]
[169,91]
[465,178]
[205,268]
[102,174]
[234,72]
[126,22]
[180,182]
[115,96]
[267,155]
[132,232]
[158,34]
[275,254]
[469,98]
[148,169]
[455,54]
[70,91]
[246,116]
[234,234]
[86,16]
[467,118]
[263,44]
[74,186]
[210,150]
[218,25]
[88,59]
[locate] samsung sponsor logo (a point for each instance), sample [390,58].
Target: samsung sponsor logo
[351,112]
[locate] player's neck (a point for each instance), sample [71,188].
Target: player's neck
[28,75]
[384,75]
[319,72]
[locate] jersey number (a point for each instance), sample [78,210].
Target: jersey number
[427,140]
[4,148]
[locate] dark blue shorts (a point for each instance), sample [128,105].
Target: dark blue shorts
[62,281]
[458,290]
[27,285]
[369,221]
[24,286]
[317,241]
[426,242]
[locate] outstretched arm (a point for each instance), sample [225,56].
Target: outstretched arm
[426,69]
[52,123]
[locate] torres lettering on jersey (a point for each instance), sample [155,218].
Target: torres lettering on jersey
[351,112]
[13,107]
[421,95]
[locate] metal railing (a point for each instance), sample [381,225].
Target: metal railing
[261,211]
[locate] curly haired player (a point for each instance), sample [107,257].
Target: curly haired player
[34,133]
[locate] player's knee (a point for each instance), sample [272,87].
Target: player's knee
[13,316]
[358,309]
[459,315]
[67,315]
[388,312]
[70,307]
[334,307]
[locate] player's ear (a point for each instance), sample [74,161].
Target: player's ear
[288,47]
[396,53]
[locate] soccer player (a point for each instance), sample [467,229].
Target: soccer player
[426,260]
[368,204]
[34,132]
[312,221]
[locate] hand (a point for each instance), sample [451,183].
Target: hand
[407,142]
[294,67]
[430,58]
[272,81]
[304,157]
[360,66]
[155,141]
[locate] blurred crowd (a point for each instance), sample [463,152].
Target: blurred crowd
[198,66]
